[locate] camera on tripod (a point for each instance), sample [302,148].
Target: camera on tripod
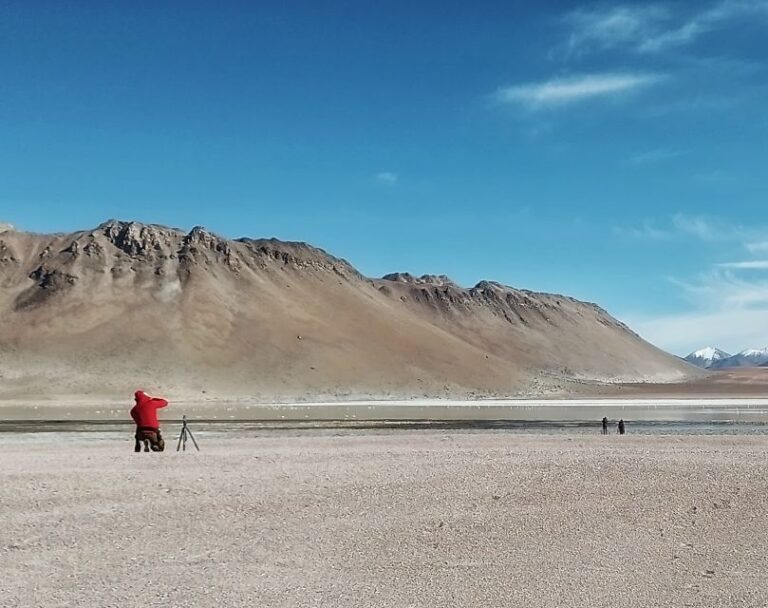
[186,433]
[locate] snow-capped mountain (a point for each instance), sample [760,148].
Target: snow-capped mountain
[747,358]
[715,358]
[707,357]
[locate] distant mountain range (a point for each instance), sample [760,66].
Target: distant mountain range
[715,358]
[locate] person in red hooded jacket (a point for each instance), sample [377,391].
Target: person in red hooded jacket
[144,414]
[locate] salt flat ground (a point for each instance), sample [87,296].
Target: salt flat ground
[404,519]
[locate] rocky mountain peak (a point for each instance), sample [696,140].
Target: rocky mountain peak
[490,286]
[137,239]
[436,280]
[202,237]
[715,358]
[200,243]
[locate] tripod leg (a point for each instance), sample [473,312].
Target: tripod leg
[178,445]
[184,442]
[192,437]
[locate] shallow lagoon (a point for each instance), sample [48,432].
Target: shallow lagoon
[643,416]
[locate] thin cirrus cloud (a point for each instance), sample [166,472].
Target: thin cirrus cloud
[652,28]
[612,27]
[748,265]
[714,231]
[702,23]
[682,225]
[727,311]
[731,329]
[565,91]
[728,302]
[721,289]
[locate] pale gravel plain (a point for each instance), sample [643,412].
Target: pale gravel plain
[400,519]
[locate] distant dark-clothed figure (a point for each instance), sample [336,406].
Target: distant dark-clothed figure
[621,429]
[144,414]
[605,425]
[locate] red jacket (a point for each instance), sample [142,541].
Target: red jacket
[144,413]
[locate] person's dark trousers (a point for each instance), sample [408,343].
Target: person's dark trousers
[151,438]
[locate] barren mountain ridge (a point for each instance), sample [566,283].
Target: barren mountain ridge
[191,313]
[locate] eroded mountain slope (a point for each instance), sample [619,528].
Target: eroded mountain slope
[127,304]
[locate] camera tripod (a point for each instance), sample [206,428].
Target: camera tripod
[185,432]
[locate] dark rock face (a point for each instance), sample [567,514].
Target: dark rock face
[48,284]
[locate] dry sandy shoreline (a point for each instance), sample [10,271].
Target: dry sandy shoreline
[407,519]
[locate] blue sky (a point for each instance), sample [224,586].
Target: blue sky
[613,152]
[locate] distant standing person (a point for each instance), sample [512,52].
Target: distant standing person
[621,429]
[605,425]
[144,414]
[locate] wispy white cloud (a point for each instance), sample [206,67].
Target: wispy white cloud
[729,311]
[732,330]
[652,28]
[702,23]
[614,26]
[679,36]
[685,226]
[726,310]
[568,90]
[681,226]
[701,228]
[724,290]
[747,265]
[387,177]
[728,303]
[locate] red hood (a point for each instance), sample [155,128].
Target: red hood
[144,413]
